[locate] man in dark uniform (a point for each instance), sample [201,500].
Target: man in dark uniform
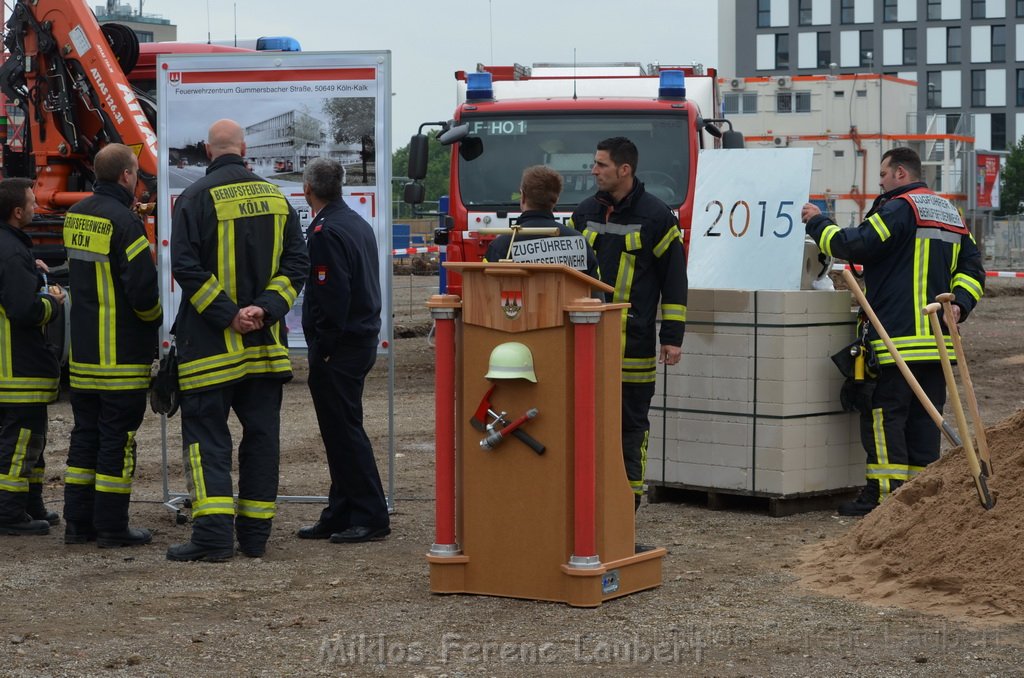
[341,321]
[114,323]
[238,256]
[640,251]
[539,191]
[914,246]
[29,371]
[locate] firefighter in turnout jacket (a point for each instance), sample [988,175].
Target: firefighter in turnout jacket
[913,246]
[640,253]
[238,256]
[115,315]
[29,371]
[539,190]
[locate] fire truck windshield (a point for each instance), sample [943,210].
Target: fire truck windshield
[566,143]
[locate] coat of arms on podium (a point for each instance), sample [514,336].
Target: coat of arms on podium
[511,303]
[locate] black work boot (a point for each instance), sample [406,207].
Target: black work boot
[78,532]
[636,503]
[35,507]
[51,517]
[24,525]
[190,551]
[864,504]
[130,536]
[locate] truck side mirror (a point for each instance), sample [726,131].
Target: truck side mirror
[453,134]
[418,153]
[733,139]
[414,193]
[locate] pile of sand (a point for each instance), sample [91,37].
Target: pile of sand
[933,547]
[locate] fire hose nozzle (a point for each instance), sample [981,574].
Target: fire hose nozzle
[491,440]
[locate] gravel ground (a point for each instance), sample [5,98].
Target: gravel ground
[729,605]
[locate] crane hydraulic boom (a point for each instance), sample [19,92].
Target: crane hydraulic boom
[65,76]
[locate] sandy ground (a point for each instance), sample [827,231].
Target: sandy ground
[731,603]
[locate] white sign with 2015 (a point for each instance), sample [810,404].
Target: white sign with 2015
[746,232]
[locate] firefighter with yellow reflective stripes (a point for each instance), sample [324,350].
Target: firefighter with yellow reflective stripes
[238,255]
[115,315]
[640,253]
[29,372]
[913,246]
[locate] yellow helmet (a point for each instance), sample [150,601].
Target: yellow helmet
[511,360]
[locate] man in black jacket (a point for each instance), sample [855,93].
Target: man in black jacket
[914,246]
[29,371]
[114,323]
[640,251]
[539,191]
[237,255]
[341,321]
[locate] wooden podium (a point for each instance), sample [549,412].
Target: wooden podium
[511,522]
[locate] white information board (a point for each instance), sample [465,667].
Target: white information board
[746,232]
[293,107]
[570,250]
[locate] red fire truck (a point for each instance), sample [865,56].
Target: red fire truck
[510,117]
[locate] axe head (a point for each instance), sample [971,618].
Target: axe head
[479,420]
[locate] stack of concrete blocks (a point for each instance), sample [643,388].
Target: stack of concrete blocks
[753,406]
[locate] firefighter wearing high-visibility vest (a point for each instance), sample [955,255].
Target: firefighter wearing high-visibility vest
[238,255]
[914,246]
[115,314]
[640,252]
[29,372]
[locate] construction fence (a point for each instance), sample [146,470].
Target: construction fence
[1004,243]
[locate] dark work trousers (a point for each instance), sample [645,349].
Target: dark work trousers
[899,437]
[206,440]
[22,439]
[636,401]
[101,458]
[336,385]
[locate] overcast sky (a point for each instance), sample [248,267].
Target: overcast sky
[430,41]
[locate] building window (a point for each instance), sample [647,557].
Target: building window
[909,46]
[824,49]
[977,88]
[867,54]
[889,11]
[846,12]
[805,14]
[933,82]
[782,50]
[144,36]
[954,41]
[1020,7]
[793,102]
[977,9]
[1020,87]
[998,132]
[998,44]
[734,103]
[764,13]
[934,10]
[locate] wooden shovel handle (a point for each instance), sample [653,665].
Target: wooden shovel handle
[946,299]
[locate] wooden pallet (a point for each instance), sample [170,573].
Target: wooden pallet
[776,506]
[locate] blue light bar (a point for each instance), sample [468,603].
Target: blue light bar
[672,85]
[478,86]
[278,43]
